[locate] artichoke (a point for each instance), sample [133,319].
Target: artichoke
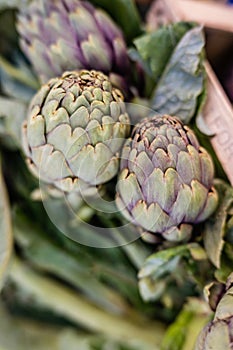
[218,334]
[75,130]
[57,36]
[165,182]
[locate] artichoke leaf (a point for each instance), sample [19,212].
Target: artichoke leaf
[152,275]
[182,82]
[153,50]
[157,264]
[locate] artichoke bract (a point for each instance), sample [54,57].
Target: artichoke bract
[57,36]
[75,130]
[165,183]
[218,334]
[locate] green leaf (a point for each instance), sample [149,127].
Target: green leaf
[125,13]
[214,228]
[12,115]
[78,271]
[222,273]
[162,265]
[162,262]
[5,230]
[152,276]
[182,81]
[155,49]
[113,276]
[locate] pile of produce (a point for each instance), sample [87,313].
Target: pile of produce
[116,220]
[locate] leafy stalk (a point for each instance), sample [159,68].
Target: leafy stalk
[68,303]
[23,334]
[80,271]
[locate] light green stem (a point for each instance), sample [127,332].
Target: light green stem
[18,74]
[134,249]
[63,300]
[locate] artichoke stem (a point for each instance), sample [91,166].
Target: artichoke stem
[130,242]
[68,303]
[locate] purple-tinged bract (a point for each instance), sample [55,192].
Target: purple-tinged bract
[61,35]
[165,183]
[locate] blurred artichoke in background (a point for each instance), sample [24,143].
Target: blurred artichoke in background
[57,36]
[218,334]
[165,184]
[76,128]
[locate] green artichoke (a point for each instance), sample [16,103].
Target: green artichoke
[165,183]
[75,130]
[57,36]
[218,334]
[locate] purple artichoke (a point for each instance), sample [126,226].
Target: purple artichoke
[60,35]
[165,183]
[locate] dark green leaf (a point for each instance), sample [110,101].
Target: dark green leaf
[214,229]
[125,13]
[154,50]
[222,273]
[182,81]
